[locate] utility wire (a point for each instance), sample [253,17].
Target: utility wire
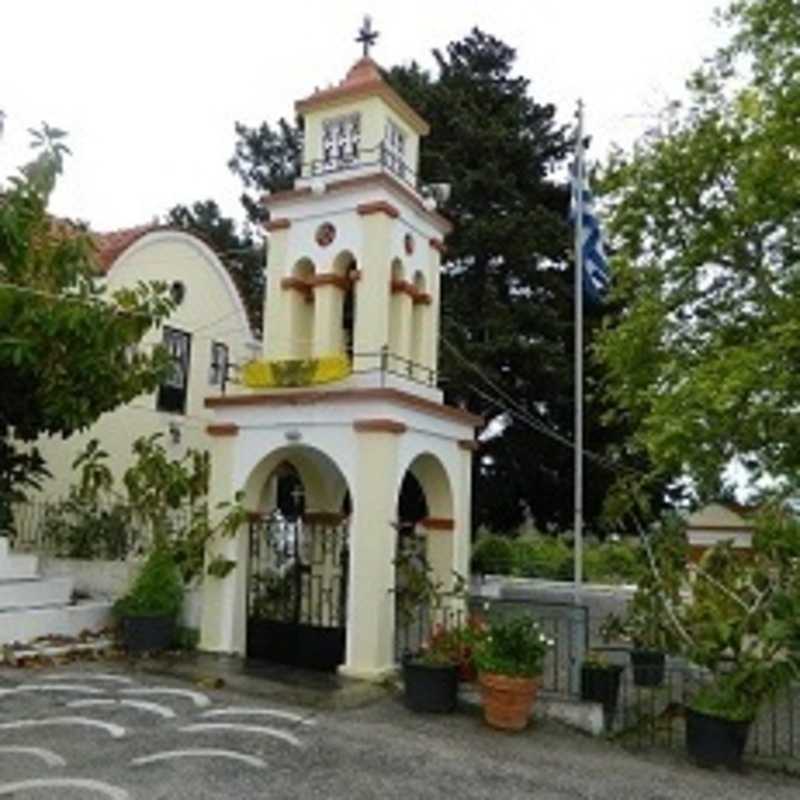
[519,411]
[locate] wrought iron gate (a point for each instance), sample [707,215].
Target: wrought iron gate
[297,592]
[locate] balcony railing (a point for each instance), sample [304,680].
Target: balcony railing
[387,363]
[381,156]
[298,372]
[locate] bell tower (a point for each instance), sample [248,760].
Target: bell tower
[355,247]
[345,396]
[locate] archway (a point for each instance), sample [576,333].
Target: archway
[424,547]
[298,559]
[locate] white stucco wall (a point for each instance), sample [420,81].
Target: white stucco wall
[211,311]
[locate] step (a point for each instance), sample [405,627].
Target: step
[16,566]
[19,566]
[34,592]
[25,625]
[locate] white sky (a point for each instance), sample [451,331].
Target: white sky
[149,91]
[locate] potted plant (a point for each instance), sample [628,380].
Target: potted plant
[600,681]
[740,625]
[430,678]
[641,627]
[661,570]
[738,628]
[424,603]
[509,661]
[147,613]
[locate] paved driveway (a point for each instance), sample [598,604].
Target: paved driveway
[89,732]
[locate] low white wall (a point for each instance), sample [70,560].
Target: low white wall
[107,579]
[111,579]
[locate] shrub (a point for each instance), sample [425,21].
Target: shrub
[492,554]
[75,528]
[541,556]
[157,590]
[612,562]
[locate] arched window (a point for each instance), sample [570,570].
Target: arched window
[344,266]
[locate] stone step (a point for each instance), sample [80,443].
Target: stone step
[16,566]
[19,566]
[34,592]
[25,625]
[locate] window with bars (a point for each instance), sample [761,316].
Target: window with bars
[394,149]
[341,141]
[172,393]
[218,370]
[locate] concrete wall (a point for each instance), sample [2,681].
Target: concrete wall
[111,579]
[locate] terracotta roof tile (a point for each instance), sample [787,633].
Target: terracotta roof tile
[363,78]
[112,244]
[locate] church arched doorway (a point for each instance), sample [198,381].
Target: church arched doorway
[298,560]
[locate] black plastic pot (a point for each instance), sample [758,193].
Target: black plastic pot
[648,667]
[430,687]
[143,634]
[714,741]
[601,685]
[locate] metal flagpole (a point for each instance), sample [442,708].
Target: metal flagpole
[579,183]
[578,632]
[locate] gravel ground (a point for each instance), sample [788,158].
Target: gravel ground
[280,751]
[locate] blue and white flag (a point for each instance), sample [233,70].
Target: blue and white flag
[595,265]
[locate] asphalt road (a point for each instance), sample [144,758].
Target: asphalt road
[94,732]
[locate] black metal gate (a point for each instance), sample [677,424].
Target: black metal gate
[297,592]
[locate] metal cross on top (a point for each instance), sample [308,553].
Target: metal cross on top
[366,35]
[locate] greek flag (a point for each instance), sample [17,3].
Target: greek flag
[595,265]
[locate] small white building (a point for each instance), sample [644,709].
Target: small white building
[716,523]
[208,330]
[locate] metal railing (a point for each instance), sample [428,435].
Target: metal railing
[655,716]
[382,362]
[381,156]
[386,362]
[72,529]
[565,624]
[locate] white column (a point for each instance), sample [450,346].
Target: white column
[223,627]
[372,318]
[370,609]
[328,299]
[462,534]
[275,319]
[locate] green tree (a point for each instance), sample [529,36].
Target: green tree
[241,253]
[705,224]
[266,159]
[509,256]
[68,348]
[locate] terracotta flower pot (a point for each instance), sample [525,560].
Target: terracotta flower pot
[507,701]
